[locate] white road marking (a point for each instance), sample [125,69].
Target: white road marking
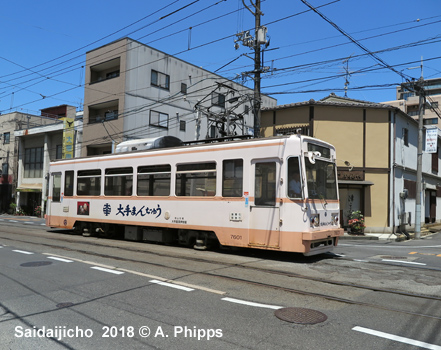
[176,286]
[250,303]
[403,262]
[107,270]
[22,252]
[112,268]
[59,259]
[397,338]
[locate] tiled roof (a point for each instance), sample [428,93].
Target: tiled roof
[336,101]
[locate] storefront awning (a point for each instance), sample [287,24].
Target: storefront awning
[354,182]
[30,188]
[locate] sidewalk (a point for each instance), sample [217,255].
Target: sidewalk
[426,230]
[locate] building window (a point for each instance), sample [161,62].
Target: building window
[102,112]
[159,119]
[197,179]
[246,109]
[6,138]
[218,100]
[433,104]
[58,151]
[435,161]
[410,186]
[160,80]
[406,137]
[184,88]
[212,133]
[105,70]
[430,121]
[182,125]
[5,169]
[33,162]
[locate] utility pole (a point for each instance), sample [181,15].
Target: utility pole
[254,43]
[257,73]
[419,89]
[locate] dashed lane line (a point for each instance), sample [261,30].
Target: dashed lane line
[22,252]
[153,277]
[250,303]
[403,262]
[397,338]
[176,286]
[60,259]
[116,272]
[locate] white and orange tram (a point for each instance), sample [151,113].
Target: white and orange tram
[272,193]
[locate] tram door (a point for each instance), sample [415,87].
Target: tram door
[55,192]
[264,210]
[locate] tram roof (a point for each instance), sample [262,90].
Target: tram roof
[193,145]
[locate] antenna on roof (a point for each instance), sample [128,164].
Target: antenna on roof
[347,74]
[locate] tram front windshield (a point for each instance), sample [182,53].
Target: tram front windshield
[321,179]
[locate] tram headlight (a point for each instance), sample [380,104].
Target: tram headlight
[334,219]
[315,220]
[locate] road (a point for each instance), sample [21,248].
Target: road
[63,291]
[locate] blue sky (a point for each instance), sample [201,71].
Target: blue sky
[44,44]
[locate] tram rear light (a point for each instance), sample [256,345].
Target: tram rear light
[334,219]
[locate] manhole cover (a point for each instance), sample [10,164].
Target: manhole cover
[61,305]
[300,315]
[36,263]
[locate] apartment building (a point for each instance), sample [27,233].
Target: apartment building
[376,148]
[408,101]
[133,91]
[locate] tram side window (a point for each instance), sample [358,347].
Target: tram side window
[232,178]
[89,182]
[68,183]
[56,188]
[118,182]
[294,178]
[154,180]
[265,184]
[198,179]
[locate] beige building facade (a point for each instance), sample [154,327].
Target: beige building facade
[376,156]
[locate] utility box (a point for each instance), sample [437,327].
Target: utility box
[132,233]
[156,235]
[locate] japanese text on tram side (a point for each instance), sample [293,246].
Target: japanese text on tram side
[132,210]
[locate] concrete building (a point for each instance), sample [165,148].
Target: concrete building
[9,124]
[408,101]
[36,145]
[133,91]
[380,143]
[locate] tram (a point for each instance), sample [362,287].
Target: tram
[278,193]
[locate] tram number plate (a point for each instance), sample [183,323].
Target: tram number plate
[236,237]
